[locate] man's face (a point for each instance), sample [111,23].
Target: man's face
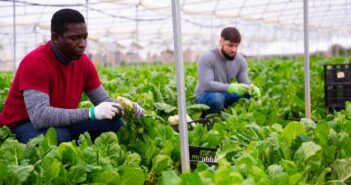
[73,41]
[228,49]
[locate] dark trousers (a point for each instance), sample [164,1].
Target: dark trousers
[217,101]
[24,132]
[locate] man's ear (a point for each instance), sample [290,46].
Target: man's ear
[55,37]
[221,40]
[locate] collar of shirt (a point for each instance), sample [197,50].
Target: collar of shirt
[59,54]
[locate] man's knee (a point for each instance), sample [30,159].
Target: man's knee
[95,128]
[216,103]
[111,125]
[214,100]
[63,135]
[26,132]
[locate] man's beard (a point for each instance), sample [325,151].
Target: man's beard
[227,56]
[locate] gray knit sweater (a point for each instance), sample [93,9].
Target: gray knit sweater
[215,72]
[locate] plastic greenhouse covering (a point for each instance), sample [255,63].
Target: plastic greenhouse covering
[145,26]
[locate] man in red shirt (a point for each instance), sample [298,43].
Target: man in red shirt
[49,83]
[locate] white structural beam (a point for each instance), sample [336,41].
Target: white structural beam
[306,61]
[87,21]
[183,129]
[14,38]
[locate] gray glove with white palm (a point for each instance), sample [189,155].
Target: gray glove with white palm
[131,106]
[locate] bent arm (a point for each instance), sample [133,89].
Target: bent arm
[42,115]
[243,76]
[206,77]
[98,95]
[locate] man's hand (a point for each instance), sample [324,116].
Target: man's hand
[238,88]
[120,110]
[130,106]
[106,110]
[256,91]
[138,110]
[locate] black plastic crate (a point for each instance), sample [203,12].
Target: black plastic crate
[337,85]
[204,154]
[207,121]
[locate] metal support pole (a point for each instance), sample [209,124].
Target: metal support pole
[259,42]
[337,45]
[137,34]
[307,61]
[345,54]
[14,39]
[87,22]
[183,129]
[212,31]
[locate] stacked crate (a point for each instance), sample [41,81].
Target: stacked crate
[204,154]
[337,85]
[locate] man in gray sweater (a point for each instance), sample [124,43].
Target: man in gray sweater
[217,69]
[49,83]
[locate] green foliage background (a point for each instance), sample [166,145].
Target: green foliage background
[260,141]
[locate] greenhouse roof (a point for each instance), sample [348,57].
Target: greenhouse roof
[145,26]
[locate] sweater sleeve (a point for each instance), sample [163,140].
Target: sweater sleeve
[99,95]
[42,115]
[243,76]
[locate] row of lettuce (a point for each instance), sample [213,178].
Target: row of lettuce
[259,141]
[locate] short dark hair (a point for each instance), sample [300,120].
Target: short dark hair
[232,34]
[63,17]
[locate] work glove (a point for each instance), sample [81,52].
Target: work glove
[130,106]
[174,120]
[238,88]
[106,110]
[138,110]
[255,91]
